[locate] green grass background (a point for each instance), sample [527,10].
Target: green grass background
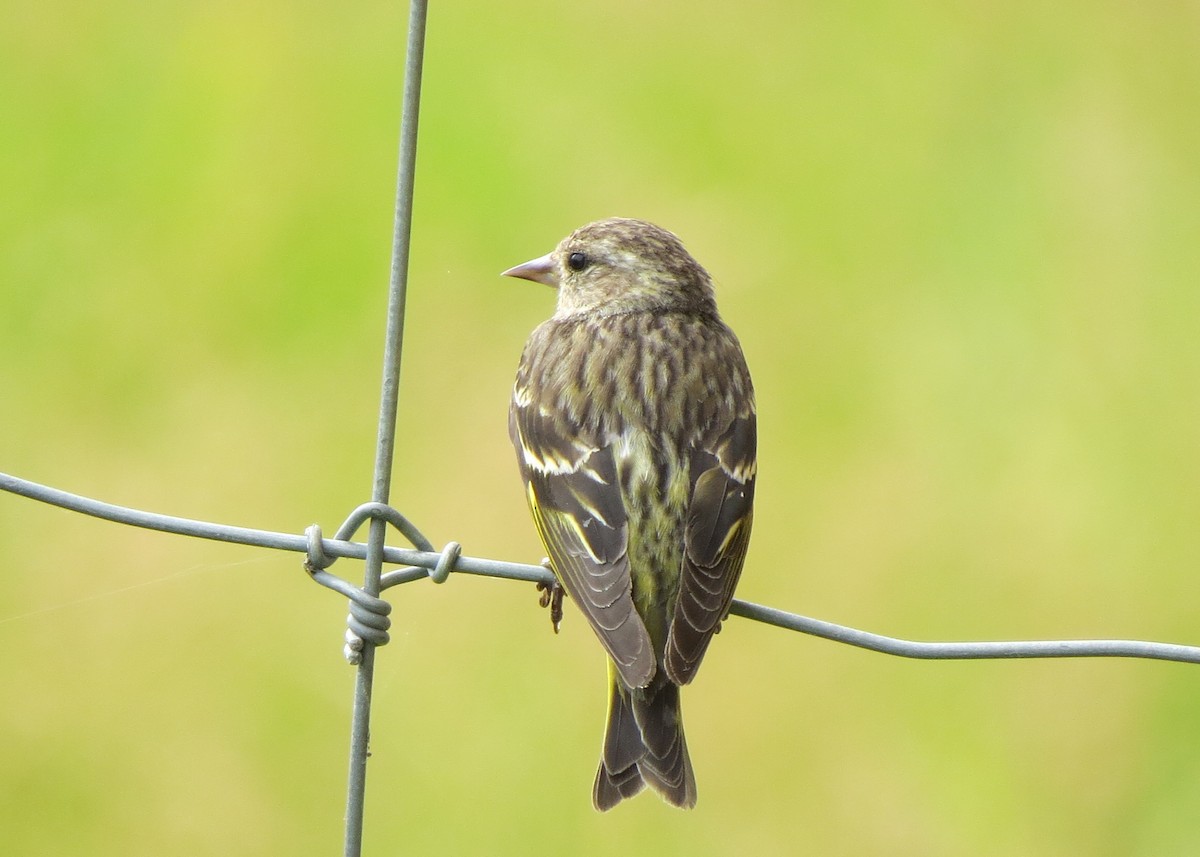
[959,242]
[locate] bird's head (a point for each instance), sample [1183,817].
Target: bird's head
[621,265]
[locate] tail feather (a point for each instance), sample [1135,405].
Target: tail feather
[644,745]
[612,788]
[623,744]
[666,767]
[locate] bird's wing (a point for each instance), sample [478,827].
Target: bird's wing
[717,533]
[576,501]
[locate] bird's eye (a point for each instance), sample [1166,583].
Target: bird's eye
[577,261]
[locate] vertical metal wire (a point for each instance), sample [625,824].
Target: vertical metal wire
[360,729]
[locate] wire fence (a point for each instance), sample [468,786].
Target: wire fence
[368,622]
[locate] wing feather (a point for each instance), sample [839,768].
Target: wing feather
[577,506]
[716,537]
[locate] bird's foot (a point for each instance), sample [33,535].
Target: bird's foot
[552,597]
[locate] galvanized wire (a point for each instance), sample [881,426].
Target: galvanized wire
[363,647]
[423,561]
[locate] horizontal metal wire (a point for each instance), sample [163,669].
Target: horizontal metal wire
[967,650]
[436,564]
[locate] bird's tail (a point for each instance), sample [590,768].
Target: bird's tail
[644,746]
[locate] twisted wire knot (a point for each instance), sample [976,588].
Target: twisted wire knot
[450,554]
[368,620]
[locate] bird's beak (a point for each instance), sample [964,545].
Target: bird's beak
[540,270]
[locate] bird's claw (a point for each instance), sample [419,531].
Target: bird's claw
[552,597]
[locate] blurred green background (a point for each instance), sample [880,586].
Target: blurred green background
[959,242]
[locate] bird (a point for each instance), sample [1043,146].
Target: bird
[634,423]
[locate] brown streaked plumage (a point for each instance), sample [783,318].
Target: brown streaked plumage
[633,419]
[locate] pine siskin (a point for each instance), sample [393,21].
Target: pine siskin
[634,424]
